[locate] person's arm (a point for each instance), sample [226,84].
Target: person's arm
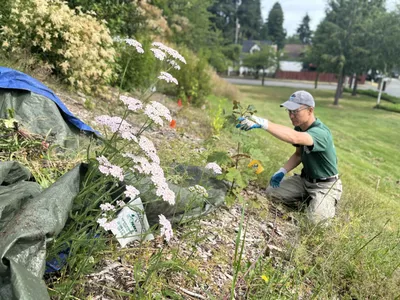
[281,132]
[293,161]
[289,135]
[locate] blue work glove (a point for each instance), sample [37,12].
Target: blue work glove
[276,179]
[252,122]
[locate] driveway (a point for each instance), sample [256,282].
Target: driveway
[392,87]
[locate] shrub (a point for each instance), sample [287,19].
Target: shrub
[136,70]
[194,79]
[74,45]
[374,94]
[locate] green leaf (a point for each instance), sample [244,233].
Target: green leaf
[220,157]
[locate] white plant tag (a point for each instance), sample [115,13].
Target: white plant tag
[131,225]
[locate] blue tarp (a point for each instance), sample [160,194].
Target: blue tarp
[12,79]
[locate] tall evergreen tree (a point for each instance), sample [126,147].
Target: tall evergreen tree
[304,30]
[250,19]
[223,17]
[274,26]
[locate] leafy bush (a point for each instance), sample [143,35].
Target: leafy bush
[375,94]
[74,45]
[194,79]
[135,70]
[390,107]
[123,17]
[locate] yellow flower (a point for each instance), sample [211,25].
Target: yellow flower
[265,278]
[6,44]
[256,164]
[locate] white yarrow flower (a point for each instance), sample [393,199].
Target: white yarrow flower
[166,228]
[171,52]
[158,53]
[214,167]
[168,77]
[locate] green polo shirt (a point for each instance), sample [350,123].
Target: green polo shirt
[319,160]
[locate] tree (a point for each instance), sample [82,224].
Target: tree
[223,18]
[338,37]
[261,60]
[304,31]
[123,17]
[274,26]
[250,20]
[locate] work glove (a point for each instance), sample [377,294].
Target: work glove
[276,179]
[252,122]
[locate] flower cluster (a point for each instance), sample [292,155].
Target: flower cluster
[200,190]
[155,111]
[171,52]
[214,167]
[132,103]
[107,168]
[116,124]
[143,166]
[168,78]
[131,191]
[166,228]
[148,147]
[74,44]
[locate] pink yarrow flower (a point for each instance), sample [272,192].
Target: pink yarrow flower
[116,124]
[142,165]
[107,207]
[132,103]
[107,168]
[148,147]
[168,77]
[155,111]
[131,191]
[166,228]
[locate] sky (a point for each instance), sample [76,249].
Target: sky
[295,10]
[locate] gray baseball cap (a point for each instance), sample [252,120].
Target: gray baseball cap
[299,98]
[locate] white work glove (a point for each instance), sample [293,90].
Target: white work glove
[252,122]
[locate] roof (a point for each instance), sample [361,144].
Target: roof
[294,50]
[248,44]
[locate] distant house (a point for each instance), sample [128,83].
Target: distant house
[248,48]
[294,52]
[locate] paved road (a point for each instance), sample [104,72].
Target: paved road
[392,88]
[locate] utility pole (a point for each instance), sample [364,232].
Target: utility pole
[237,25]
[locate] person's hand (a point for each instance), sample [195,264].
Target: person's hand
[276,179]
[252,122]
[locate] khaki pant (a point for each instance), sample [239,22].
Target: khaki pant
[319,199]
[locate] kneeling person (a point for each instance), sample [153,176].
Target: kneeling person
[318,187]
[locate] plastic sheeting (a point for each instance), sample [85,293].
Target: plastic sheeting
[29,218]
[15,80]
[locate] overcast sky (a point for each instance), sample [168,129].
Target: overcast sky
[295,10]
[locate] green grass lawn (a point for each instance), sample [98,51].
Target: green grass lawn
[358,257]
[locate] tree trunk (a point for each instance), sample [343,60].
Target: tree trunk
[338,88]
[354,93]
[351,82]
[263,77]
[316,81]
[343,83]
